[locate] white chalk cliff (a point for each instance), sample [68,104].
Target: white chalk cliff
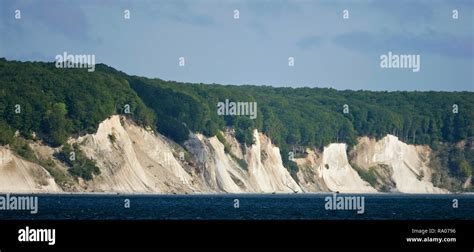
[409,164]
[338,174]
[264,172]
[20,176]
[132,159]
[135,160]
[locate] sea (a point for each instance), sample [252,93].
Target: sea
[244,207]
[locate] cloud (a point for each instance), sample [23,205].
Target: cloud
[273,8]
[180,11]
[308,42]
[444,44]
[406,10]
[192,19]
[34,56]
[66,18]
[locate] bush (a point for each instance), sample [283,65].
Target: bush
[79,164]
[59,176]
[242,163]
[293,168]
[465,169]
[112,138]
[221,139]
[21,147]
[368,175]
[6,133]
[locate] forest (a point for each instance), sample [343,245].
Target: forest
[43,102]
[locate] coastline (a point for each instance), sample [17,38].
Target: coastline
[227,194]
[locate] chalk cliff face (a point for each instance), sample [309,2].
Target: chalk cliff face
[264,171]
[330,170]
[135,160]
[310,176]
[338,174]
[408,164]
[398,167]
[132,159]
[20,176]
[220,173]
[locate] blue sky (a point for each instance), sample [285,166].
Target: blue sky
[328,50]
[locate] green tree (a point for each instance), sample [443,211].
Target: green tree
[465,168]
[6,133]
[55,124]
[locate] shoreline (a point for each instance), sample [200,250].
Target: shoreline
[227,194]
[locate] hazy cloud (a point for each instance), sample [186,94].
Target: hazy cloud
[66,18]
[449,45]
[180,11]
[406,10]
[308,42]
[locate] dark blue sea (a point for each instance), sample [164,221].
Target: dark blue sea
[251,207]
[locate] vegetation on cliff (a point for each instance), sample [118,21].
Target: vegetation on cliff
[43,102]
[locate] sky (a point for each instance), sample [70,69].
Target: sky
[328,50]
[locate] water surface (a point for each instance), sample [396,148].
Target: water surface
[251,207]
